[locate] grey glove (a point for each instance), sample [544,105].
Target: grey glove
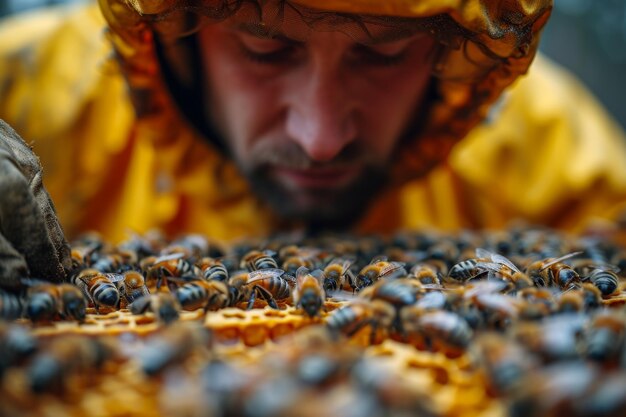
[31,238]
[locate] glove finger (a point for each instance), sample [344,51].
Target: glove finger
[62,250]
[24,226]
[16,149]
[12,265]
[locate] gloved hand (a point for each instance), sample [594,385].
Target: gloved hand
[31,238]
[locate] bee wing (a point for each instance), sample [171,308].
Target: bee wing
[606,267]
[264,274]
[488,266]
[557,260]
[345,266]
[319,275]
[89,249]
[114,277]
[349,257]
[433,287]
[499,259]
[169,257]
[351,278]
[301,275]
[86,278]
[291,280]
[302,272]
[379,258]
[484,254]
[345,261]
[484,287]
[140,305]
[393,269]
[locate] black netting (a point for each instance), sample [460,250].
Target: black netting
[186,18]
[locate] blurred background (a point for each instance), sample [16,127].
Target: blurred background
[590,41]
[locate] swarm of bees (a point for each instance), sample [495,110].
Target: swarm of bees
[520,314]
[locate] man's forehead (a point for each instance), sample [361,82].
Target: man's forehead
[297,26]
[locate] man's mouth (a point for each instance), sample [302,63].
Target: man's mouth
[315,177]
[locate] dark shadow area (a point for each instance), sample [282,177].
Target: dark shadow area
[589,38]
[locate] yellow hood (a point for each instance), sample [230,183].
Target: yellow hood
[487,45]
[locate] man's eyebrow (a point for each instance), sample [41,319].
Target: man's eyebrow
[387,36]
[373,37]
[260,30]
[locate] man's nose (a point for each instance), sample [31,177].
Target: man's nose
[321,116]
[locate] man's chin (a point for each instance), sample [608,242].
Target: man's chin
[337,208]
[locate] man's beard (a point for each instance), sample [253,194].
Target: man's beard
[334,208]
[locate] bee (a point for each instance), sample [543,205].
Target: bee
[291,264]
[131,285]
[115,262]
[498,310]
[213,270]
[142,246]
[432,300]
[582,389]
[379,268]
[10,306]
[399,293]
[619,260]
[50,370]
[17,344]
[348,320]
[467,269]
[604,338]
[555,338]
[45,301]
[256,260]
[193,246]
[571,302]
[584,267]
[501,268]
[444,250]
[463,271]
[173,268]
[164,306]
[505,363]
[81,255]
[270,284]
[335,274]
[309,293]
[429,273]
[173,345]
[392,394]
[605,280]
[552,271]
[536,303]
[436,330]
[210,295]
[97,288]
[288,251]
[592,297]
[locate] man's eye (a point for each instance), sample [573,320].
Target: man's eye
[277,56]
[267,51]
[368,56]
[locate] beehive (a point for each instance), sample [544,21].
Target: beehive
[542,350]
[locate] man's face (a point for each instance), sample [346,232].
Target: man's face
[312,122]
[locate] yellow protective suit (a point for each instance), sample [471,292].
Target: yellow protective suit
[547,153]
